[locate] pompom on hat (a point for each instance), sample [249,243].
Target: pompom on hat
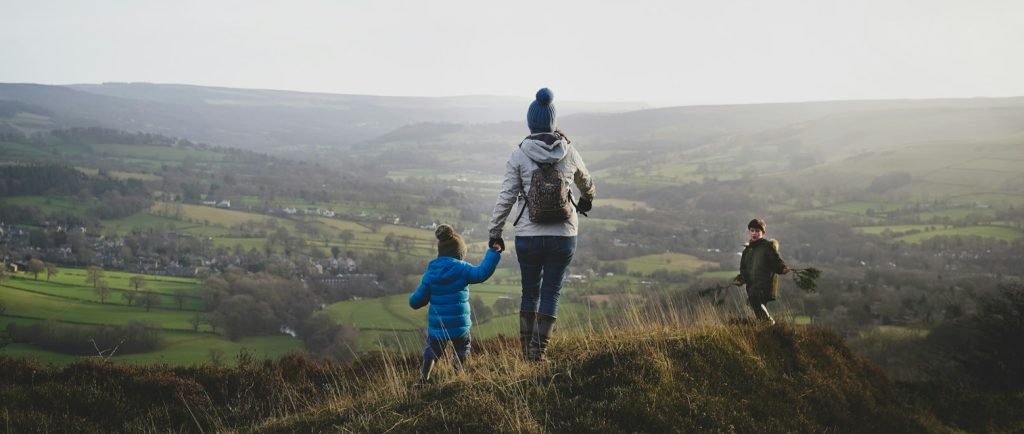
[449,243]
[540,118]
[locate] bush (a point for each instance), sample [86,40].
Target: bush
[993,356]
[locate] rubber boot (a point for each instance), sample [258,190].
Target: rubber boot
[539,343]
[527,324]
[425,369]
[761,312]
[459,363]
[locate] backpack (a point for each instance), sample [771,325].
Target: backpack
[549,198]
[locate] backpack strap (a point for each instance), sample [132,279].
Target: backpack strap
[521,196]
[521,210]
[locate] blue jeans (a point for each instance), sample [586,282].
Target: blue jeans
[435,347]
[543,261]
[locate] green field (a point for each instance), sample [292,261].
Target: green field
[391,323]
[626,204]
[676,262]
[35,305]
[956,214]
[86,293]
[606,224]
[50,205]
[999,200]
[860,207]
[67,298]
[221,226]
[142,221]
[725,275]
[155,153]
[121,174]
[24,152]
[444,175]
[209,215]
[895,230]
[997,232]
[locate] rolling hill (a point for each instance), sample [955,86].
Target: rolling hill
[264,120]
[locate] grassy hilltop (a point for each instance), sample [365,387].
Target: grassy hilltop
[639,376]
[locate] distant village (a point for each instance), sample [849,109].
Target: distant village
[166,253]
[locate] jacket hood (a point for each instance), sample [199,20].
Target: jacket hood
[773,242]
[444,269]
[545,147]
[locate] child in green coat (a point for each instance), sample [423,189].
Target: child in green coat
[760,267]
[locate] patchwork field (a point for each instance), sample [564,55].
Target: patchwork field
[390,322]
[121,174]
[155,153]
[67,298]
[676,262]
[626,204]
[222,226]
[50,205]
[894,230]
[997,232]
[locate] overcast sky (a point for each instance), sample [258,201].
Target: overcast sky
[662,52]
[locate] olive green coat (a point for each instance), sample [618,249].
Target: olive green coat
[760,267]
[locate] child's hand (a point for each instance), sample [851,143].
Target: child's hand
[497,244]
[785,269]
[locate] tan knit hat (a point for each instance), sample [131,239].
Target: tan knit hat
[449,243]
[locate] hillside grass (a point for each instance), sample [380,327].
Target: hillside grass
[662,371]
[179,349]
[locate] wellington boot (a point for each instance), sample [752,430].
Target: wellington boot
[527,324]
[459,362]
[539,344]
[425,369]
[761,312]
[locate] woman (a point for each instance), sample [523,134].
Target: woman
[546,234]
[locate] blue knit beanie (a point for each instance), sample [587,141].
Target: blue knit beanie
[541,115]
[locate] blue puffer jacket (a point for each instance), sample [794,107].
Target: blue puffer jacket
[445,287]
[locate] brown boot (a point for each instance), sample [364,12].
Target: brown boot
[527,324]
[541,335]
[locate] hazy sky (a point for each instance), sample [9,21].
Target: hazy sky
[679,52]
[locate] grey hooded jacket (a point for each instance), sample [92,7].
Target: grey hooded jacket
[539,148]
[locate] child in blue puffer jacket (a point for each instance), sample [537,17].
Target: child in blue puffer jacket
[445,287]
